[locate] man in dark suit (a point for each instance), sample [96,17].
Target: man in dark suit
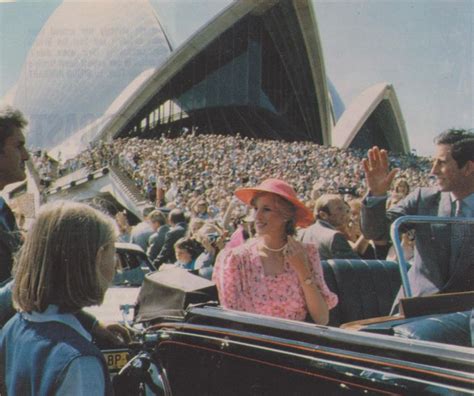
[13,156]
[331,212]
[440,265]
[178,227]
[160,229]
[142,231]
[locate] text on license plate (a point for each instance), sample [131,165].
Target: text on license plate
[116,359]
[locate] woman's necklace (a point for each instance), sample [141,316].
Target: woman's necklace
[273,250]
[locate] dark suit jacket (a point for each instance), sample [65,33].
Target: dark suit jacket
[331,243]
[156,241]
[140,234]
[9,244]
[166,254]
[431,268]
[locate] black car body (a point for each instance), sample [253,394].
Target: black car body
[214,351]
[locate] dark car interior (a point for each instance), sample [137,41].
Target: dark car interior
[366,291]
[366,288]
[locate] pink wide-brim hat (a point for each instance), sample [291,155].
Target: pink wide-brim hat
[304,215]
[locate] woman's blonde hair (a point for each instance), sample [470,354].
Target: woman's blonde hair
[58,262]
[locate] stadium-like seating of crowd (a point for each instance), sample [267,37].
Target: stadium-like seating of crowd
[213,166]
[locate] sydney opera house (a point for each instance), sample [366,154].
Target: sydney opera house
[102,70]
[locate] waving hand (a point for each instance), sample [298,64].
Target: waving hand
[377,173]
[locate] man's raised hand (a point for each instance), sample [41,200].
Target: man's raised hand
[377,173]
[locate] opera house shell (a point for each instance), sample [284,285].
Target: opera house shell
[85,55]
[102,70]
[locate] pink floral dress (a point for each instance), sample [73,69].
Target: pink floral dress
[243,285]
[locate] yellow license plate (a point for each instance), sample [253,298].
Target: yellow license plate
[116,359]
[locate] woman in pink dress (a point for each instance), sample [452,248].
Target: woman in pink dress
[273,274]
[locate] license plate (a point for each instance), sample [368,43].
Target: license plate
[116,359]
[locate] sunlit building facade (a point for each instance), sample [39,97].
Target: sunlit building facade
[254,78]
[85,55]
[256,69]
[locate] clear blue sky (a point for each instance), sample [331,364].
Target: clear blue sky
[425,48]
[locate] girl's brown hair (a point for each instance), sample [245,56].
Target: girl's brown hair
[58,262]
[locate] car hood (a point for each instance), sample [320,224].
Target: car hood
[109,310]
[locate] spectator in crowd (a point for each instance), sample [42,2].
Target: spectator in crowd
[401,189]
[186,251]
[160,192]
[20,219]
[195,225]
[273,274]
[178,227]
[13,156]
[212,238]
[316,191]
[444,260]
[67,263]
[231,214]
[124,229]
[150,189]
[331,212]
[344,228]
[160,228]
[199,209]
[142,231]
[361,245]
[244,230]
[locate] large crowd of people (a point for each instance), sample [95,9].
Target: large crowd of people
[180,172]
[192,213]
[196,175]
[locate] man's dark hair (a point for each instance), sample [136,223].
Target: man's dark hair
[462,144]
[322,203]
[157,216]
[176,216]
[147,210]
[10,118]
[192,246]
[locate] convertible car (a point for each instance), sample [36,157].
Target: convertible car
[188,345]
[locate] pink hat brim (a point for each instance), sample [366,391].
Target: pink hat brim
[304,215]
